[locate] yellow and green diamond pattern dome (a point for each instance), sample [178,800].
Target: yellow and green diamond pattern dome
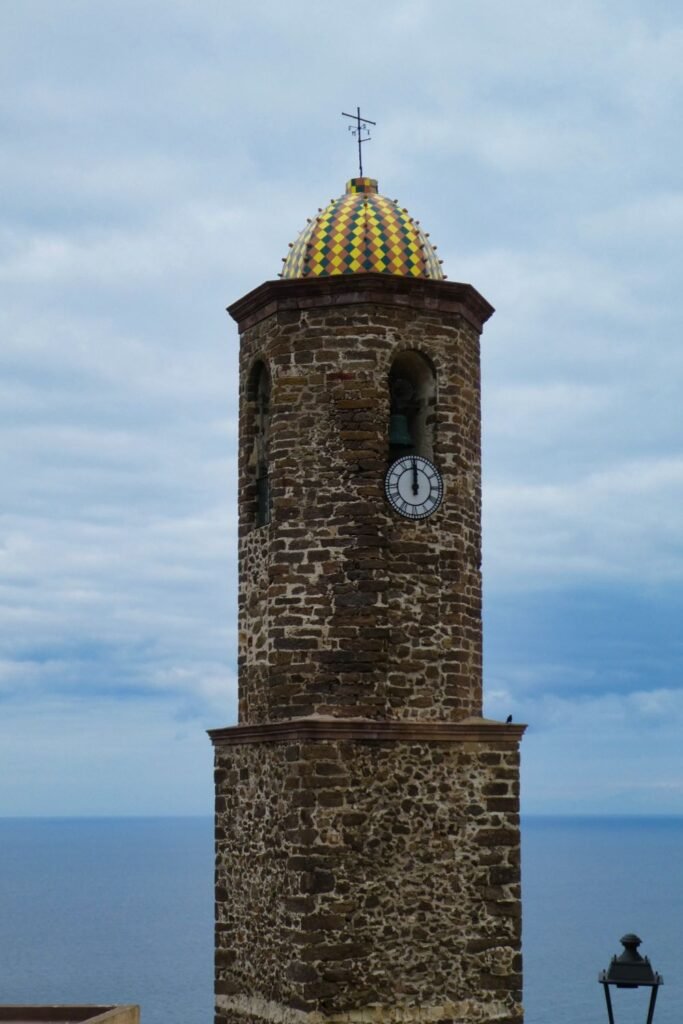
[362,232]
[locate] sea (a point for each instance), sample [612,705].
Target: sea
[120,910]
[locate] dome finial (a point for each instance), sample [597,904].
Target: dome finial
[357,131]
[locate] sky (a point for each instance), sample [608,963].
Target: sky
[158,159]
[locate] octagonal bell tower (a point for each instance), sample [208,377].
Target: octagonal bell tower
[367,832]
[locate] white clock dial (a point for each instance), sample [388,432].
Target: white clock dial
[413,486]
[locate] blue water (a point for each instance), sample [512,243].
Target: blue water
[109,911]
[120,910]
[586,882]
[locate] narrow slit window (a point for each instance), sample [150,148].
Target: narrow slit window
[259,403]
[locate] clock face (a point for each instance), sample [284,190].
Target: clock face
[413,486]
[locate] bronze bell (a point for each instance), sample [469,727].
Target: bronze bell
[399,434]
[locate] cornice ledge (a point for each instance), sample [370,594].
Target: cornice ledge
[308,293]
[318,727]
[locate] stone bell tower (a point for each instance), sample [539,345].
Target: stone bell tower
[367,829]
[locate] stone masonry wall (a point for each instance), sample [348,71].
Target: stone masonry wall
[346,608]
[368,880]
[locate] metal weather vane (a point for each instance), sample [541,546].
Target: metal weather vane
[361,132]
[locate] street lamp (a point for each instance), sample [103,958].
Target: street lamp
[630,970]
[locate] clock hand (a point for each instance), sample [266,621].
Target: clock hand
[415,484]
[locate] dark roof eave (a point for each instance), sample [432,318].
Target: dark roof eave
[351,289]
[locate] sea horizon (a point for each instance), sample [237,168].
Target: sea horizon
[525,815]
[119,909]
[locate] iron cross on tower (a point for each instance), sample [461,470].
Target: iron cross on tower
[361,132]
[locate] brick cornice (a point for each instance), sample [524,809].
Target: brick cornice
[353,289]
[469,730]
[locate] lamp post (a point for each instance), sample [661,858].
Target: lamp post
[630,970]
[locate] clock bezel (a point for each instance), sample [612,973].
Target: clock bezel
[404,513]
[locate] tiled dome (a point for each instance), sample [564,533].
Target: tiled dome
[362,232]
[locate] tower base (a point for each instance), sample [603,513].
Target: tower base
[368,872]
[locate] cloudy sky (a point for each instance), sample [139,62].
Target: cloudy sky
[158,158]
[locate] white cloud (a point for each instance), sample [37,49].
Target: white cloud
[159,158]
[652,219]
[96,756]
[603,753]
[621,522]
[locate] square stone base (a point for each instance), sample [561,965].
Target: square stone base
[368,872]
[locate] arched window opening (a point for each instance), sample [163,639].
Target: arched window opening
[258,397]
[412,406]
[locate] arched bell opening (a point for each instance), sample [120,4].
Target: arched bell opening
[412,406]
[258,404]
